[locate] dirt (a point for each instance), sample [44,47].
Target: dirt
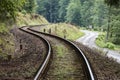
[65,64]
[26,59]
[104,68]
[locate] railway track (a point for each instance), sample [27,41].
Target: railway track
[88,73]
[82,69]
[41,71]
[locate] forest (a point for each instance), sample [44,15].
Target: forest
[101,14]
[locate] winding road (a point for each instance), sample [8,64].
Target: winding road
[89,40]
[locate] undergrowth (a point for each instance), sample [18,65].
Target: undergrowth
[7,39]
[100,41]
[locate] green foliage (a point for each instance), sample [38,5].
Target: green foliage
[3,28]
[87,12]
[73,12]
[62,10]
[49,9]
[41,7]
[110,45]
[100,13]
[78,12]
[24,12]
[71,32]
[114,35]
[112,2]
[30,6]
[8,8]
[100,41]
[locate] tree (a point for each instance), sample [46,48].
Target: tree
[49,9]
[87,12]
[115,25]
[8,9]
[113,2]
[100,13]
[73,12]
[62,11]
[41,7]
[30,6]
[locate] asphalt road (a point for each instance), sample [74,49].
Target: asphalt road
[89,40]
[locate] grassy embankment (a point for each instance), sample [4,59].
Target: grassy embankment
[100,41]
[34,19]
[64,30]
[7,39]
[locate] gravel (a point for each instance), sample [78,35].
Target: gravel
[26,60]
[104,68]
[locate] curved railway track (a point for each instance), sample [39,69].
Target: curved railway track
[88,72]
[86,64]
[40,72]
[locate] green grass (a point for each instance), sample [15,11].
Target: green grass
[100,41]
[7,39]
[27,19]
[64,30]
[60,50]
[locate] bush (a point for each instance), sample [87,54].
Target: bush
[110,45]
[100,43]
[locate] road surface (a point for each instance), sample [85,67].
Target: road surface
[89,40]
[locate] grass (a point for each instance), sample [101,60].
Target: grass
[60,50]
[100,41]
[3,55]
[6,46]
[7,39]
[64,30]
[27,19]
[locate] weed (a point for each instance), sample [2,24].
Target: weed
[60,50]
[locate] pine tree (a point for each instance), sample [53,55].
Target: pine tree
[62,11]
[115,25]
[49,9]
[73,12]
[87,12]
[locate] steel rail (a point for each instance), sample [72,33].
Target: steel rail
[89,72]
[45,63]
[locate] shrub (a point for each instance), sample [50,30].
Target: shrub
[110,45]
